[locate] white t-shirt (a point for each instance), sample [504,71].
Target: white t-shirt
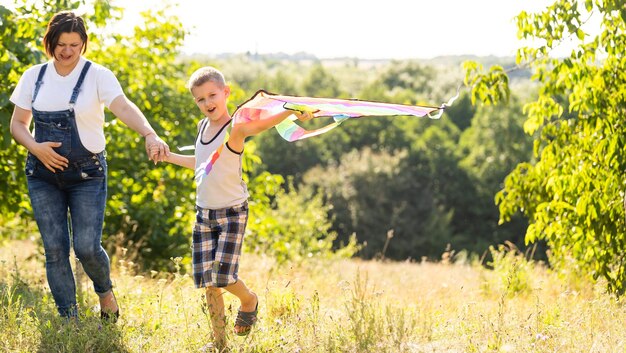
[99,89]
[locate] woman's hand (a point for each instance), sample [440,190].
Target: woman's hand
[156,148]
[44,151]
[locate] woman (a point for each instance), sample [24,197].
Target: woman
[66,166]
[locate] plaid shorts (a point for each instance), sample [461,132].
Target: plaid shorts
[217,241]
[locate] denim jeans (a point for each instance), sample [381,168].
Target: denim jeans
[71,202]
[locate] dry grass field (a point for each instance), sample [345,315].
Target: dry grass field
[339,306]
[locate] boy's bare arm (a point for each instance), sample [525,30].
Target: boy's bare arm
[181,160]
[242,130]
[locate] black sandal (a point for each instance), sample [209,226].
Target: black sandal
[246,319]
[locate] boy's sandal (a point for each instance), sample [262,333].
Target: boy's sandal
[246,319]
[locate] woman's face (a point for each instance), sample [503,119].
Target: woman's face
[67,50]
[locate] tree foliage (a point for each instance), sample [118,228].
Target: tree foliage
[21,35]
[150,208]
[572,194]
[456,178]
[419,192]
[144,215]
[368,190]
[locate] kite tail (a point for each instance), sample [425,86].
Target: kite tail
[291,131]
[445,105]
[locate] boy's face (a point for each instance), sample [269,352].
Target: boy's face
[210,97]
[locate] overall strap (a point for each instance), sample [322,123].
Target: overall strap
[39,82]
[81,78]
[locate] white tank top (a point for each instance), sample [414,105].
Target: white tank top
[223,187]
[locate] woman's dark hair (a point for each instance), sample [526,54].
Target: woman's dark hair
[64,22]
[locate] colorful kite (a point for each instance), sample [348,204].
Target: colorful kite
[263,105]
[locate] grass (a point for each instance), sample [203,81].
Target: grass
[340,306]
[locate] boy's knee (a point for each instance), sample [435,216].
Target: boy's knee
[213,291]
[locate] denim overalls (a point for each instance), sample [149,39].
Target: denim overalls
[80,188]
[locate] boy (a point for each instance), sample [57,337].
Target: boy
[221,201]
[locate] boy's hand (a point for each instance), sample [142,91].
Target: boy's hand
[303,116]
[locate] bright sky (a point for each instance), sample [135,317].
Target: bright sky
[396,29]
[364,29]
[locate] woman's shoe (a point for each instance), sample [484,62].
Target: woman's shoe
[107,315]
[110,317]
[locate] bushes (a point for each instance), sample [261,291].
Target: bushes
[373,193]
[293,226]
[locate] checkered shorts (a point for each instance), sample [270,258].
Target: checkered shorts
[217,240]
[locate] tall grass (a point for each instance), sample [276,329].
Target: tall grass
[323,306]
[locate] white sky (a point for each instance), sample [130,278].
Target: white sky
[366,29]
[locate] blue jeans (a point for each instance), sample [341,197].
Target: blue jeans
[74,200]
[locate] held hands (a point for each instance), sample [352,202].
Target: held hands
[44,151]
[156,148]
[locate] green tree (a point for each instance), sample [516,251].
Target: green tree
[292,225]
[404,82]
[453,189]
[462,112]
[150,208]
[490,149]
[374,194]
[145,64]
[419,191]
[494,144]
[572,194]
[21,32]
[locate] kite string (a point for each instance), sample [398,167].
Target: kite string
[446,105]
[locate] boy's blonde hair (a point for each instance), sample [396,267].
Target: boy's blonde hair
[205,74]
